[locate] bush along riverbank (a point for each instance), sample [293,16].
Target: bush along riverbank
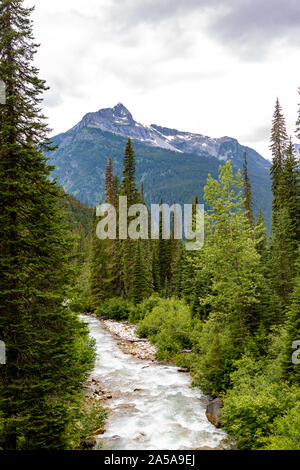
[261,411]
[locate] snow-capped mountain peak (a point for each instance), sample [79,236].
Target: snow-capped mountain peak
[119,120]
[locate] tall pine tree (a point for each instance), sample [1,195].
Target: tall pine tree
[39,383]
[247,194]
[279,145]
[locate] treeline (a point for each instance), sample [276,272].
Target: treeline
[235,304]
[126,268]
[48,351]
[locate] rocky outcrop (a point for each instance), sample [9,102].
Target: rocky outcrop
[214,411]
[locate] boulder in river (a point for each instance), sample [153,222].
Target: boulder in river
[214,411]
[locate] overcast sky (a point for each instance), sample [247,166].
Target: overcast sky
[209,66]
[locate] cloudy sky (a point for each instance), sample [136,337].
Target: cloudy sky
[209,66]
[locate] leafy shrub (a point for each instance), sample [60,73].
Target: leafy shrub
[90,423]
[256,407]
[167,326]
[144,308]
[80,303]
[116,308]
[286,431]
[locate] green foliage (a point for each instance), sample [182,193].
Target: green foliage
[77,213]
[41,383]
[144,308]
[218,348]
[247,194]
[255,406]
[279,145]
[167,326]
[90,423]
[116,308]
[291,371]
[140,285]
[128,186]
[285,430]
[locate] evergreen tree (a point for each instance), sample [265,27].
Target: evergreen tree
[164,255]
[279,145]
[289,190]
[129,188]
[142,193]
[155,268]
[140,288]
[41,381]
[298,120]
[112,247]
[291,371]
[283,257]
[178,269]
[285,238]
[99,270]
[247,194]
[110,186]
[260,236]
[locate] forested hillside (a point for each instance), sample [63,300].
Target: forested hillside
[82,153]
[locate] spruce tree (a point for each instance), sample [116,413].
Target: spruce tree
[112,247]
[283,257]
[140,288]
[289,190]
[298,120]
[41,381]
[162,253]
[260,235]
[129,188]
[279,145]
[155,268]
[247,194]
[285,237]
[110,187]
[290,370]
[99,275]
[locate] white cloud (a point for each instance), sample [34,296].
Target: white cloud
[212,67]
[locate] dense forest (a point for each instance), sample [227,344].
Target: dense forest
[234,305]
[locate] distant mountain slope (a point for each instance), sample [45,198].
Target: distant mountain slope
[77,213]
[173,165]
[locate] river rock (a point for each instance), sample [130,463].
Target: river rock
[125,406]
[214,411]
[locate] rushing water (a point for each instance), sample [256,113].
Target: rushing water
[152,405]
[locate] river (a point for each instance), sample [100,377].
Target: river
[152,405]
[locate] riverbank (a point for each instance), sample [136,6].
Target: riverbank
[150,405]
[128,341]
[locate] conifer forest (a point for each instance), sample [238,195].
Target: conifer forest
[219,321]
